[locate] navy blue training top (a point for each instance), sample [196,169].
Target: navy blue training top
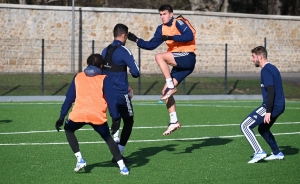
[270,76]
[121,56]
[186,35]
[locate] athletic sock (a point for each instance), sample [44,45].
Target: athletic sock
[169,82]
[173,117]
[121,148]
[78,156]
[121,164]
[116,134]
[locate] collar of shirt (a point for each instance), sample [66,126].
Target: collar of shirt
[116,42]
[169,24]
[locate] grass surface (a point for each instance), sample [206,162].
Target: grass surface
[209,148]
[54,84]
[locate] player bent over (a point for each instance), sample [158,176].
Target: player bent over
[272,107]
[92,94]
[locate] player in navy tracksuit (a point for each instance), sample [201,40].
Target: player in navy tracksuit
[272,107]
[117,58]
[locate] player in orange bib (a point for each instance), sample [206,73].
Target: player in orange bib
[179,36]
[92,93]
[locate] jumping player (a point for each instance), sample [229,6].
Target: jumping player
[179,36]
[272,107]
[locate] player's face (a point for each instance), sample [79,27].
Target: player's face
[255,60]
[165,16]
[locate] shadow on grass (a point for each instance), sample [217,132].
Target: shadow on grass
[192,88]
[137,158]
[197,144]
[12,89]
[60,89]
[5,121]
[289,150]
[234,87]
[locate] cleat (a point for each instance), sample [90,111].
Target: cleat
[257,157]
[124,171]
[279,156]
[171,128]
[117,139]
[168,92]
[125,160]
[81,164]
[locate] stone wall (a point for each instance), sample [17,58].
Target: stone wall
[22,28]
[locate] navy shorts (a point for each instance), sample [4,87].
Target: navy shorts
[124,106]
[185,65]
[102,130]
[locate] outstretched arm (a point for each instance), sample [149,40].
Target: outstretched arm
[152,44]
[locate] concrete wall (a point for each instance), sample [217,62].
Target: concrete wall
[22,28]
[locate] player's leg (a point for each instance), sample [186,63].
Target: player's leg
[254,119]
[171,106]
[70,128]
[125,109]
[103,131]
[185,66]
[164,60]
[264,131]
[115,129]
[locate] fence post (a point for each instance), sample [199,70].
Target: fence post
[43,67]
[139,80]
[93,46]
[225,81]
[80,42]
[265,42]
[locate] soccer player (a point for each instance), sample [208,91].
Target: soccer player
[179,36]
[272,107]
[117,58]
[92,94]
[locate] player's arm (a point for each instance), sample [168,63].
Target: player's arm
[130,62]
[186,34]
[69,100]
[271,96]
[153,43]
[110,98]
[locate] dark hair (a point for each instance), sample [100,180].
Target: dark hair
[95,60]
[120,29]
[260,50]
[165,7]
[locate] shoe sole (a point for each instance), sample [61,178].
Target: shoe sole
[280,158]
[165,134]
[257,160]
[124,173]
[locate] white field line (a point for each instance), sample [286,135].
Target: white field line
[154,127]
[133,141]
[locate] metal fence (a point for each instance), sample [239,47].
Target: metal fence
[39,65]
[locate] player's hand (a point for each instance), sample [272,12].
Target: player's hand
[59,123]
[132,37]
[267,118]
[166,37]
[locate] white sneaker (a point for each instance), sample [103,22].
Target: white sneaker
[79,165]
[124,171]
[257,157]
[171,128]
[279,156]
